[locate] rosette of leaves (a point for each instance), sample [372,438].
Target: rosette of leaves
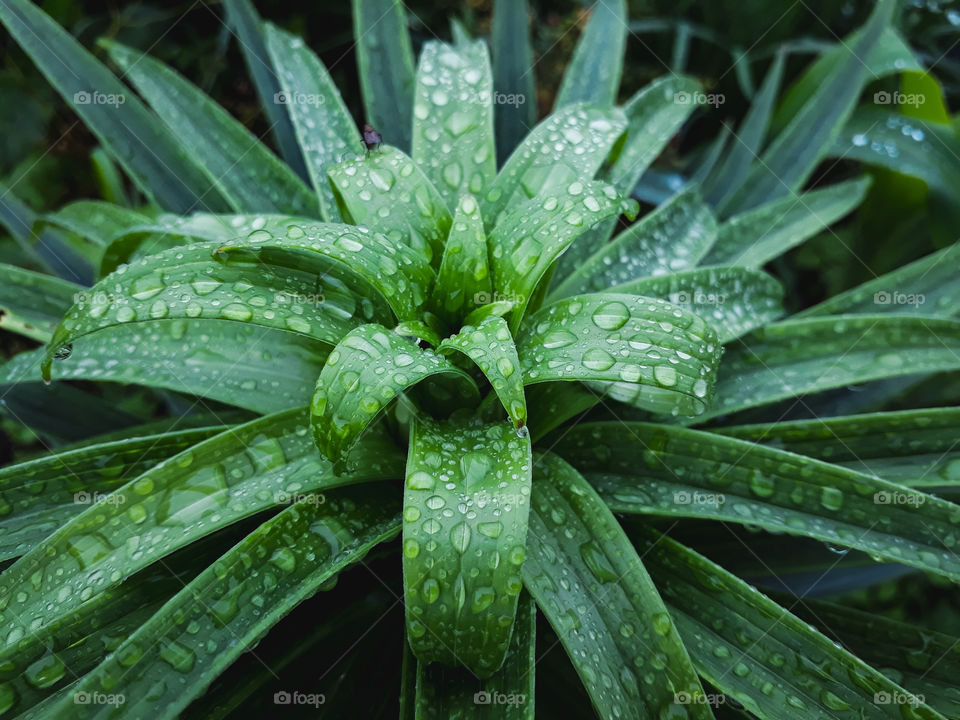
[418,335]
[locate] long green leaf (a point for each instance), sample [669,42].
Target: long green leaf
[466,502]
[222,613]
[444,693]
[676,472]
[386,190]
[757,652]
[756,236]
[243,169]
[733,300]
[258,368]
[363,373]
[453,119]
[593,74]
[385,64]
[270,461]
[153,157]
[916,448]
[673,237]
[567,147]
[323,126]
[794,154]
[95,223]
[463,281]
[525,243]
[797,357]
[32,303]
[593,588]
[40,495]
[267,74]
[664,356]
[513,78]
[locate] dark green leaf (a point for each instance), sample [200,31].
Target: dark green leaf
[513,78]
[593,74]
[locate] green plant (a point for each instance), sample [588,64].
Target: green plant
[451,325]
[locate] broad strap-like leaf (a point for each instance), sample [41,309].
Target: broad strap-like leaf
[490,345]
[593,74]
[444,693]
[32,303]
[380,273]
[759,235]
[676,472]
[524,244]
[675,236]
[270,461]
[388,191]
[323,126]
[251,33]
[385,65]
[513,78]
[552,404]
[917,448]
[225,610]
[463,281]
[453,119]
[95,222]
[241,364]
[666,357]
[568,146]
[240,166]
[794,153]
[755,651]
[797,357]
[733,300]
[362,375]
[154,158]
[654,115]
[593,588]
[40,495]
[190,283]
[466,503]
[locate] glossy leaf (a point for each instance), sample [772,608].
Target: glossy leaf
[385,65]
[386,190]
[466,502]
[676,472]
[153,157]
[675,236]
[223,612]
[593,74]
[759,654]
[318,116]
[453,119]
[32,303]
[96,222]
[513,77]
[463,281]
[490,345]
[664,356]
[798,357]
[244,170]
[757,236]
[733,300]
[363,373]
[593,588]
